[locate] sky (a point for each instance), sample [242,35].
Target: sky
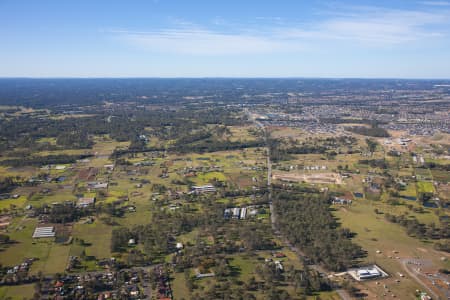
[225,38]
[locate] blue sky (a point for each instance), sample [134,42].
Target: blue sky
[225,38]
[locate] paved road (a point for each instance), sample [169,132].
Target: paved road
[343,294]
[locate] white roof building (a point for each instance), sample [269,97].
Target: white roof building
[368,273]
[243,213]
[44,232]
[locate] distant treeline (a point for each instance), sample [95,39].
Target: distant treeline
[70,93]
[211,145]
[7,184]
[284,149]
[420,230]
[349,121]
[436,166]
[43,160]
[280,152]
[202,146]
[121,124]
[372,131]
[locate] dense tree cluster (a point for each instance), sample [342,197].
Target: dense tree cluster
[62,212]
[43,160]
[436,166]
[375,163]
[420,230]
[369,131]
[75,139]
[443,246]
[8,183]
[308,223]
[283,149]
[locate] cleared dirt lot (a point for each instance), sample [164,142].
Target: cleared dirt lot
[331,178]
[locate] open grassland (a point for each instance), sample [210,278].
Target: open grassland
[19,171]
[51,257]
[18,292]
[241,133]
[374,233]
[54,258]
[97,236]
[422,174]
[13,203]
[425,187]
[288,132]
[64,152]
[179,287]
[441,176]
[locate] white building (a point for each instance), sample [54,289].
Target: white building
[243,213]
[236,212]
[44,232]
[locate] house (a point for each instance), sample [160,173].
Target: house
[86,202]
[278,265]
[341,201]
[109,167]
[199,275]
[97,185]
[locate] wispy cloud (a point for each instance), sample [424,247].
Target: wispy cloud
[195,41]
[435,3]
[364,26]
[380,27]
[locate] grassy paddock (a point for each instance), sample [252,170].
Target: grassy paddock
[17,292]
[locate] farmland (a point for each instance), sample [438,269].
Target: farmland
[206,200]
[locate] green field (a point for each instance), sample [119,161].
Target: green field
[98,235]
[425,187]
[374,233]
[18,292]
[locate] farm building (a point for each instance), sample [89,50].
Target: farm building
[97,185]
[368,272]
[341,201]
[243,213]
[279,266]
[86,202]
[203,189]
[109,167]
[239,213]
[236,212]
[44,232]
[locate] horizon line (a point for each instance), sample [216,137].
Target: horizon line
[225,77]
